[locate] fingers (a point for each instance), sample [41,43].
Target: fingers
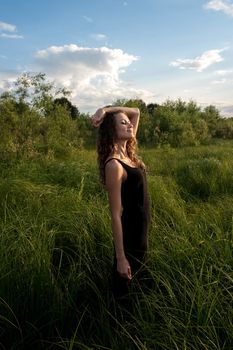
[127,275]
[98,117]
[95,122]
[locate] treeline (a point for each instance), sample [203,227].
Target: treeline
[38,119]
[178,123]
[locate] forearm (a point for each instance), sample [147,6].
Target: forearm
[132,113]
[118,238]
[129,111]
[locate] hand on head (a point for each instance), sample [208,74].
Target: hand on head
[97,118]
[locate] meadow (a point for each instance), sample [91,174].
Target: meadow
[56,254]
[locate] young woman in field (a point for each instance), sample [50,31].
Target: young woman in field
[123,175]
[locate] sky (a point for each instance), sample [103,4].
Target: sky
[104,50]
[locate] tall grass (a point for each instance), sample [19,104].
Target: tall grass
[56,255]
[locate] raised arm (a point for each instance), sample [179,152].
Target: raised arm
[132,113]
[114,175]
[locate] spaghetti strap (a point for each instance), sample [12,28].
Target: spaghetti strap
[121,162]
[108,160]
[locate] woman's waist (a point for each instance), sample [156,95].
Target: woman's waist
[136,214]
[135,211]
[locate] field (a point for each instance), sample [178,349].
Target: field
[56,255]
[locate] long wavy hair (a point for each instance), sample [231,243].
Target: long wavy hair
[106,144]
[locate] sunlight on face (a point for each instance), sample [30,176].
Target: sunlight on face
[124,127]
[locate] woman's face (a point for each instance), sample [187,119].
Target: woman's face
[124,128]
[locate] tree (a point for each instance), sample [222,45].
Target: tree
[72,110]
[34,91]
[33,124]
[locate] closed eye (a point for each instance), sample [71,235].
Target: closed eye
[125,122]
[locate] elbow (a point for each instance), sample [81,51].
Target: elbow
[116,216]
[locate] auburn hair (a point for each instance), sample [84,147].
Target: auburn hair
[106,144]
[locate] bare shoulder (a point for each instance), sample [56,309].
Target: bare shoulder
[113,166]
[114,174]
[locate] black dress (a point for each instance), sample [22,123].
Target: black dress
[135,219]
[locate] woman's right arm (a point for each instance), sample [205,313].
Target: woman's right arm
[114,175]
[132,113]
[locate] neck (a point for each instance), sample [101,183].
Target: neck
[121,150]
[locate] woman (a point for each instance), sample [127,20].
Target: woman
[123,175]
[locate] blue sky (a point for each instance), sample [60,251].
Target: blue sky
[109,49]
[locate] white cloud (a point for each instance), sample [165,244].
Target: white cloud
[199,63]
[6,27]
[7,78]
[88,19]
[83,61]
[11,36]
[227,111]
[9,28]
[219,5]
[224,73]
[225,77]
[91,74]
[220,81]
[99,36]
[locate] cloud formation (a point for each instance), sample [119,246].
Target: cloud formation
[7,78]
[9,28]
[11,36]
[200,62]
[88,19]
[6,27]
[224,72]
[99,37]
[227,111]
[224,76]
[91,74]
[219,5]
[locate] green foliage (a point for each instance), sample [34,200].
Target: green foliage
[56,247]
[56,254]
[36,92]
[37,118]
[73,110]
[35,122]
[178,123]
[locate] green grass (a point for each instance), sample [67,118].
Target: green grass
[56,255]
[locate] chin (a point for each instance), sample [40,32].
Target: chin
[130,138]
